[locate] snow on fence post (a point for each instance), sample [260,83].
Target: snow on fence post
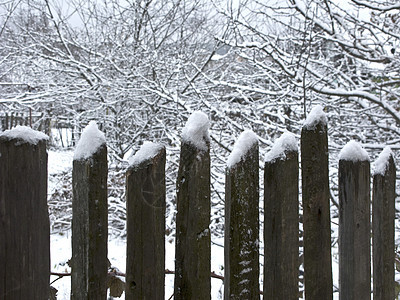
[24,218]
[281,220]
[89,219]
[242,220]
[383,216]
[193,240]
[354,223]
[145,216]
[316,207]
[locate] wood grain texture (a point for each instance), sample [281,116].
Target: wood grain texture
[193,238]
[281,228]
[383,245]
[242,228]
[354,230]
[145,200]
[316,213]
[90,227]
[24,221]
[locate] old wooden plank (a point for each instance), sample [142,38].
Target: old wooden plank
[242,228]
[316,212]
[145,200]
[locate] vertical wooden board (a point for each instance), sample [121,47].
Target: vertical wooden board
[281,228]
[90,227]
[354,230]
[80,230]
[383,235]
[145,265]
[24,220]
[242,229]
[193,239]
[316,213]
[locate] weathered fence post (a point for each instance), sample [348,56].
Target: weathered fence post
[242,221]
[354,223]
[193,240]
[24,218]
[145,216]
[316,207]
[281,220]
[383,215]
[89,220]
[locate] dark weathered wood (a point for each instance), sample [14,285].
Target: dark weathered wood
[383,216]
[24,220]
[145,209]
[281,228]
[89,227]
[242,228]
[316,213]
[354,230]
[193,240]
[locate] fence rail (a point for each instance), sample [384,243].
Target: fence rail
[25,249]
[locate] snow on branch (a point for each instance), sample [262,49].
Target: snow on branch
[195,131]
[244,143]
[382,162]
[285,143]
[376,7]
[91,140]
[315,117]
[147,151]
[362,94]
[353,151]
[24,134]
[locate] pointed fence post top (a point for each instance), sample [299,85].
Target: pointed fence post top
[353,151]
[246,141]
[91,140]
[316,117]
[196,132]
[283,145]
[381,165]
[24,134]
[147,152]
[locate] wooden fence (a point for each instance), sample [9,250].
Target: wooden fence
[24,222]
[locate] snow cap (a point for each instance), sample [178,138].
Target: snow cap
[244,143]
[24,134]
[91,140]
[147,151]
[285,143]
[353,151]
[315,117]
[196,130]
[382,162]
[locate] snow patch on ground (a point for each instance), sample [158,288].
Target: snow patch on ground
[285,143]
[244,143]
[196,130]
[91,140]
[25,135]
[353,151]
